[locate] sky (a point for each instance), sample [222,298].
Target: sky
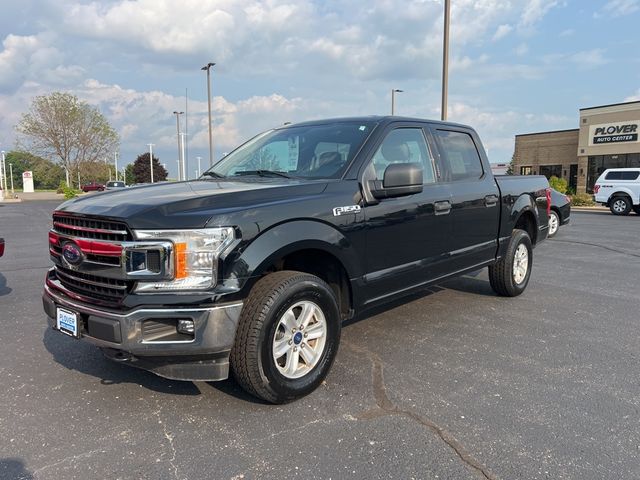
[516,66]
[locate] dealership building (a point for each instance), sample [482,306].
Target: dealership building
[607,137]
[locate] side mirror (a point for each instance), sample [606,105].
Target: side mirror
[399,179]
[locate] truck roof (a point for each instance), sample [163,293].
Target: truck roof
[379,119]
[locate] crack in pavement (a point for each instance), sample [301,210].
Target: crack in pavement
[169,437]
[386,407]
[66,459]
[615,250]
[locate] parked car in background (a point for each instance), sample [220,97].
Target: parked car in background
[560,212]
[619,189]
[114,185]
[1,247]
[93,187]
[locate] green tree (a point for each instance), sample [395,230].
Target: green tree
[129,176]
[510,168]
[46,174]
[63,127]
[142,169]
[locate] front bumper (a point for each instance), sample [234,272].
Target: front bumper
[126,337]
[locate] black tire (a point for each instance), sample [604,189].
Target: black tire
[552,233]
[620,205]
[501,274]
[252,359]
[636,208]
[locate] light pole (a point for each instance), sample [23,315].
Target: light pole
[115,161]
[151,159]
[393,99]
[207,67]
[11,175]
[445,60]
[198,158]
[4,175]
[177,114]
[184,163]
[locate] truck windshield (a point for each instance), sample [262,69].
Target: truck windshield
[309,151]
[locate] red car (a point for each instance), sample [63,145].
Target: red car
[1,246]
[93,187]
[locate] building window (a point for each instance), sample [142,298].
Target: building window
[526,170]
[551,170]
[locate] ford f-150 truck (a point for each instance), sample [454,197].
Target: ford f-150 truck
[255,265]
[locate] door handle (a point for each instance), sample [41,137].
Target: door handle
[490,200]
[442,207]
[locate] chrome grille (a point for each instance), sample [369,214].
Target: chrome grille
[92,228]
[93,286]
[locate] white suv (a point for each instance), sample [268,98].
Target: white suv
[619,189]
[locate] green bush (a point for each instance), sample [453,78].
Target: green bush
[582,200]
[70,193]
[559,184]
[61,187]
[571,191]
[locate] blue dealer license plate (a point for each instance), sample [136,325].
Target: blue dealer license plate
[67,322]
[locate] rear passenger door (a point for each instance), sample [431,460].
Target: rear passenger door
[475,198]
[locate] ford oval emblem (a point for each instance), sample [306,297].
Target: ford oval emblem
[72,253]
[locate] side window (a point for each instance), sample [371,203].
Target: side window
[404,145]
[460,159]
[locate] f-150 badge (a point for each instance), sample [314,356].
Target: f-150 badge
[348,209]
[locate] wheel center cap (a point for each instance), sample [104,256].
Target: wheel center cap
[297,338]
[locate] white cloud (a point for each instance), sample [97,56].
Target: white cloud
[502,31]
[635,97]
[521,49]
[589,59]
[619,8]
[535,10]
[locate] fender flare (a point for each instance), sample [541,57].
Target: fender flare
[289,237]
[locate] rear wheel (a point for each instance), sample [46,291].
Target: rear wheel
[554,223]
[509,276]
[620,205]
[287,337]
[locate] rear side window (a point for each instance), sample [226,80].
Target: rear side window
[459,156]
[622,175]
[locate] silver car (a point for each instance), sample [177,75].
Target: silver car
[114,185]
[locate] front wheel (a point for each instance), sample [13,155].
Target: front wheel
[510,275]
[554,223]
[287,337]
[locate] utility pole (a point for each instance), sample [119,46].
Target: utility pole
[198,158]
[115,161]
[177,114]
[4,175]
[151,159]
[207,67]
[445,60]
[11,175]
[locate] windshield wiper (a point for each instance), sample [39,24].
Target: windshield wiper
[264,173]
[211,173]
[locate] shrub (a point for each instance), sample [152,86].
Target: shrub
[582,200]
[70,192]
[559,184]
[61,187]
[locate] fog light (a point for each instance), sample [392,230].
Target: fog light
[186,326]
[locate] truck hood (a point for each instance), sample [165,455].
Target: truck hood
[189,204]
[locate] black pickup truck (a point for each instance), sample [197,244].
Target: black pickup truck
[256,264]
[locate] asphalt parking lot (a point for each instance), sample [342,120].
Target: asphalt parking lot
[457,384]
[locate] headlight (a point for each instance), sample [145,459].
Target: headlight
[195,256]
